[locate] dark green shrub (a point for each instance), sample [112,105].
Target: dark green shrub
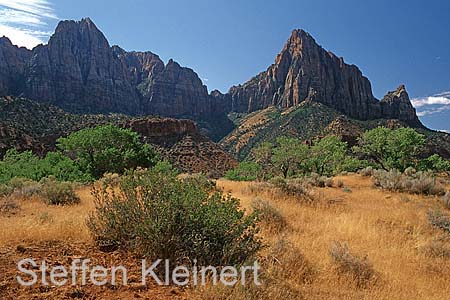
[391,148]
[58,193]
[157,215]
[436,163]
[28,166]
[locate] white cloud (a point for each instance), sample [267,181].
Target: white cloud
[432,104]
[24,21]
[433,111]
[40,8]
[432,100]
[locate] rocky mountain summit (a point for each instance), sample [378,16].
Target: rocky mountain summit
[305,71]
[80,72]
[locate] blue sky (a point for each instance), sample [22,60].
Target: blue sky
[228,41]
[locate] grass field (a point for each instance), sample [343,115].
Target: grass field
[386,233]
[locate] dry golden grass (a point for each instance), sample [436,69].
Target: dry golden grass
[35,221]
[390,229]
[383,226]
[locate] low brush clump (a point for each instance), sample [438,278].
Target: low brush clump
[8,207]
[22,188]
[446,200]
[58,193]
[410,182]
[284,271]
[358,268]
[367,171]
[439,220]
[297,188]
[439,247]
[269,216]
[316,180]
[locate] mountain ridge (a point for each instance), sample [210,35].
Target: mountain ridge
[80,72]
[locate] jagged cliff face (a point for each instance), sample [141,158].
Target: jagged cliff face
[79,71]
[305,71]
[12,67]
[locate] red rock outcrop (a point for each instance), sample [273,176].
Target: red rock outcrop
[180,142]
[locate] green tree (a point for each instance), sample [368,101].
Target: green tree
[263,157]
[27,165]
[328,155]
[391,149]
[290,155]
[107,149]
[21,165]
[245,171]
[436,163]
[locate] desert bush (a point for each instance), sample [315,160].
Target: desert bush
[446,200]
[270,217]
[157,215]
[437,247]
[8,206]
[5,190]
[389,180]
[439,220]
[284,268]
[246,171]
[367,171]
[58,193]
[359,268]
[316,180]
[278,182]
[415,183]
[296,188]
[329,182]
[285,261]
[346,190]
[410,171]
